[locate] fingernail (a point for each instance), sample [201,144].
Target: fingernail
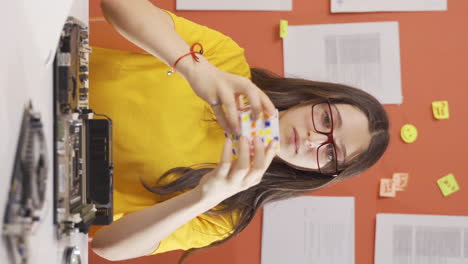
[271,112]
[275,143]
[254,139]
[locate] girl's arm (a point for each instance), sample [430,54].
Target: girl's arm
[138,234]
[150,28]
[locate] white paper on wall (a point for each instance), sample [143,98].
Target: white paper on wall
[309,229]
[414,239]
[270,5]
[338,6]
[362,55]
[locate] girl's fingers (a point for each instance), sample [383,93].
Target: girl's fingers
[231,115]
[271,152]
[254,100]
[262,159]
[259,157]
[221,118]
[259,101]
[242,164]
[225,163]
[268,106]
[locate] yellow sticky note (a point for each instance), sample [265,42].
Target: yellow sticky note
[409,133]
[440,109]
[448,184]
[283,28]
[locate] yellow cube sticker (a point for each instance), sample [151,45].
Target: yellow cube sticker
[448,184]
[283,28]
[440,110]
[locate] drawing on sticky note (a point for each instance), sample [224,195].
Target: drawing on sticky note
[409,133]
[440,110]
[401,180]
[448,184]
[387,188]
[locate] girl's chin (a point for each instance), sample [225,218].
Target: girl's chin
[286,159]
[289,161]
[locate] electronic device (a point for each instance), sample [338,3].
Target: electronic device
[83,163]
[25,206]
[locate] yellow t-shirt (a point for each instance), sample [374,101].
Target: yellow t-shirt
[159,123]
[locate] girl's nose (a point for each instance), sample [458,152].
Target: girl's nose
[314,139]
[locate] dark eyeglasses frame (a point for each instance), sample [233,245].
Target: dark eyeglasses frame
[329,135]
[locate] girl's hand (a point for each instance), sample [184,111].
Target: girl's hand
[231,177]
[220,88]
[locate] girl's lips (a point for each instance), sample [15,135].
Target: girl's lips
[293,140]
[296,140]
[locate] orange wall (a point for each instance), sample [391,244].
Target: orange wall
[434,66]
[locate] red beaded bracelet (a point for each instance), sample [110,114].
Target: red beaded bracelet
[192,52]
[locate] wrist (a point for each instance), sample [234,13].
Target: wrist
[209,197]
[189,68]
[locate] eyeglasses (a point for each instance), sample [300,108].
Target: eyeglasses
[322,119]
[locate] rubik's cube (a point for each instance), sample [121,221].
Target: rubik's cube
[266,127]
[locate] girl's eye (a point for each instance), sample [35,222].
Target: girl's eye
[326,120]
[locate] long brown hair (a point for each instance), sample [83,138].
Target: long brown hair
[281,181]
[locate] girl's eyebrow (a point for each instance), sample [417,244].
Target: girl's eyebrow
[339,124]
[340,121]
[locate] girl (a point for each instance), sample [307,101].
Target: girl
[171,188]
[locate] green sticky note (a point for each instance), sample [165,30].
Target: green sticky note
[448,185]
[283,28]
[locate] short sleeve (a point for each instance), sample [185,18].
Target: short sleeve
[198,232]
[221,50]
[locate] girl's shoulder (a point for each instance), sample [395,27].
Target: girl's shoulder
[220,49]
